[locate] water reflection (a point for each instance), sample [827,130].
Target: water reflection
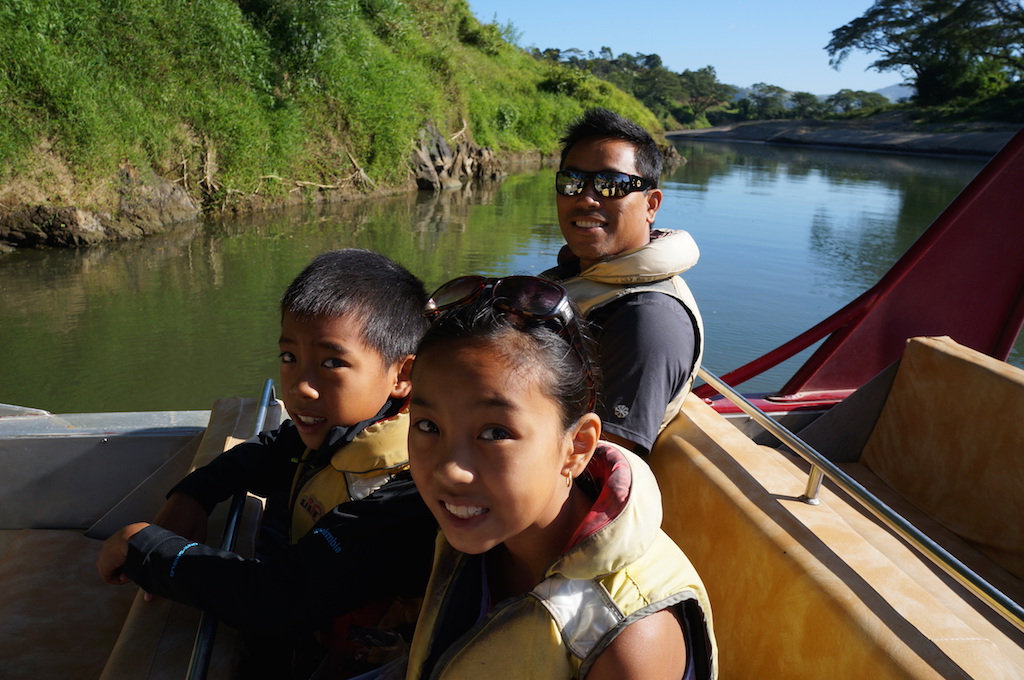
[175,320]
[787,237]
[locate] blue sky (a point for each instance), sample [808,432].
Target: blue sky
[747,41]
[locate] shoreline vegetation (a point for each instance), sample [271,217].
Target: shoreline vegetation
[117,121]
[150,205]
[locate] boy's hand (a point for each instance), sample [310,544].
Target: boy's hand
[114,553]
[183,515]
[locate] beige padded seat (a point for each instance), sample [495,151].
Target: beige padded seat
[59,620]
[7,537]
[157,638]
[950,439]
[802,591]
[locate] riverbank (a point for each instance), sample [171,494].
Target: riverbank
[891,135]
[140,204]
[119,124]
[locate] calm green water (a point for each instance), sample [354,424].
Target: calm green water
[787,237]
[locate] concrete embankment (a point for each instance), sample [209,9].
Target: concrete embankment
[966,139]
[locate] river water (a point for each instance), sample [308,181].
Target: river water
[787,235]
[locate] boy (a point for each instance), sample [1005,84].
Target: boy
[349,327]
[350,323]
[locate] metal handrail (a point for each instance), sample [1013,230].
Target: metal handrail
[202,649]
[822,466]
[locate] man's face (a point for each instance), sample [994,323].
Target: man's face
[597,228]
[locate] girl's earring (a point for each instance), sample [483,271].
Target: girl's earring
[568,479]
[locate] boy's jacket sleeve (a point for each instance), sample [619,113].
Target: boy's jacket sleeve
[358,553]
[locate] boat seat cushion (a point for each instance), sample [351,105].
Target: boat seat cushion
[7,537]
[944,442]
[157,637]
[231,420]
[57,618]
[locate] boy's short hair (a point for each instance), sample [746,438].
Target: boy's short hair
[601,123]
[381,293]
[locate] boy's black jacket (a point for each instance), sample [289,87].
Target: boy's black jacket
[358,553]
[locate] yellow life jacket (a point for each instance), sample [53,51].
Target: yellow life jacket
[623,570]
[652,268]
[356,470]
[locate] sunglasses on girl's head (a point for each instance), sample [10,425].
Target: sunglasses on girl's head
[525,297]
[606,183]
[529,297]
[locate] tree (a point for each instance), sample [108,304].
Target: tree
[848,101]
[947,48]
[746,108]
[704,90]
[659,89]
[769,101]
[845,101]
[550,54]
[673,97]
[871,100]
[805,104]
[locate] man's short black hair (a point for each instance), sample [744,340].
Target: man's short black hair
[368,287]
[600,123]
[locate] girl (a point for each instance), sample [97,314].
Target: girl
[550,562]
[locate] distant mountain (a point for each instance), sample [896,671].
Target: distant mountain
[741,92]
[895,93]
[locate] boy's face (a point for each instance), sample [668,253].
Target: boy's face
[330,376]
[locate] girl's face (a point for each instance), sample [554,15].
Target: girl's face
[488,451]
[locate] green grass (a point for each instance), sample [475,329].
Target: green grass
[234,91]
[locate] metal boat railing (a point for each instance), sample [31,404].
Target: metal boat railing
[823,467]
[202,649]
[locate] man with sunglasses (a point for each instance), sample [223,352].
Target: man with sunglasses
[625,276]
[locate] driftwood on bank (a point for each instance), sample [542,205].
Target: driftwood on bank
[437,165]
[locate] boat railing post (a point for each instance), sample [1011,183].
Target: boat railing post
[823,467]
[202,649]
[814,480]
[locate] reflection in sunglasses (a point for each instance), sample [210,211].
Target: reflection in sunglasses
[606,183]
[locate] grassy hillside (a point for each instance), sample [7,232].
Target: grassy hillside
[225,97]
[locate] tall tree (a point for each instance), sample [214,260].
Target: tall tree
[845,100]
[704,90]
[848,101]
[673,97]
[805,104]
[659,89]
[948,48]
[769,100]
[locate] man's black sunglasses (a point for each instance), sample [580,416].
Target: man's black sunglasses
[606,183]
